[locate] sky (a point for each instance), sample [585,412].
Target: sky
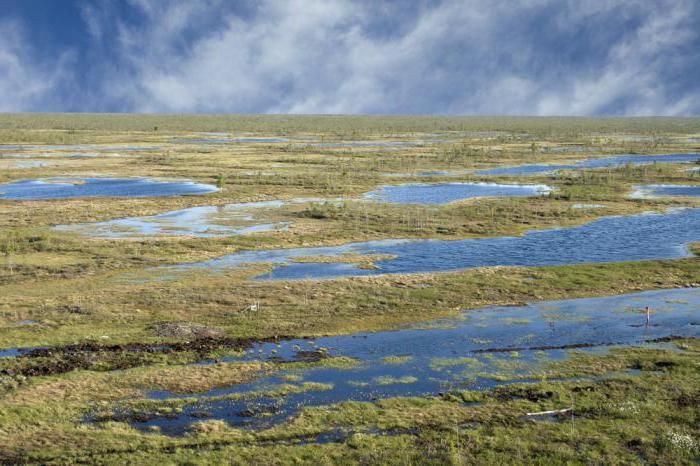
[448,57]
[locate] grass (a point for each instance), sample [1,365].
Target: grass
[397,359]
[390,380]
[78,289]
[127,310]
[343,258]
[340,124]
[651,416]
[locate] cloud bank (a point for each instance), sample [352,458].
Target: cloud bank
[25,81]
[497,57]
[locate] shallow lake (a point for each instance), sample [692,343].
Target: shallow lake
[226,140]
[609,239]
[203,221]
[366,144]
[478,350]
[63,188]
[55,155]
[570,149]
[662,190]
[26,164]
[607,162]
[428,173]
[80,147]
[420,193]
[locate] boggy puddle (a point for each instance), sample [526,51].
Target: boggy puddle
[665,190]
[479,350]
[606,162]
[443,193]
[202,221]
[64,188]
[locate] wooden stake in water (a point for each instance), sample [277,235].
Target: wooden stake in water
[648,315]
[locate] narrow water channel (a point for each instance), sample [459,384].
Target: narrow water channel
[609,239]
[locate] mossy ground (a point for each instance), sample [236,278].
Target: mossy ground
[75,289]
[647,417]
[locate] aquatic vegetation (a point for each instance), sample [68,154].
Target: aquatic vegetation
[481,341]
[389,380]
[383,365]
[514,321]
[587,206]
[608,162]
[381,144]
[28,164]
[665,237]
[362,359]
[438,363]
[203,221]
[443,193]
[396,359]
[346,258]
[227,140]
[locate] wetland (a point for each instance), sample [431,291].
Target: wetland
[281,290]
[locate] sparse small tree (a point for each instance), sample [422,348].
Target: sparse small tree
[8,248]
[220,181]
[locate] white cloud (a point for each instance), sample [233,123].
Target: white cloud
[462,57]
[632,70]
[543,57]
[26,83]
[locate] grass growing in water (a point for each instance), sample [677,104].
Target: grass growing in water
[75,290]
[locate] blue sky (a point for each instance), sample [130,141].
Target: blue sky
[463,57]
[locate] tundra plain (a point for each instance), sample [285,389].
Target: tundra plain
[128,335]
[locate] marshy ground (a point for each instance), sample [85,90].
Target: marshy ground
[111,351]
